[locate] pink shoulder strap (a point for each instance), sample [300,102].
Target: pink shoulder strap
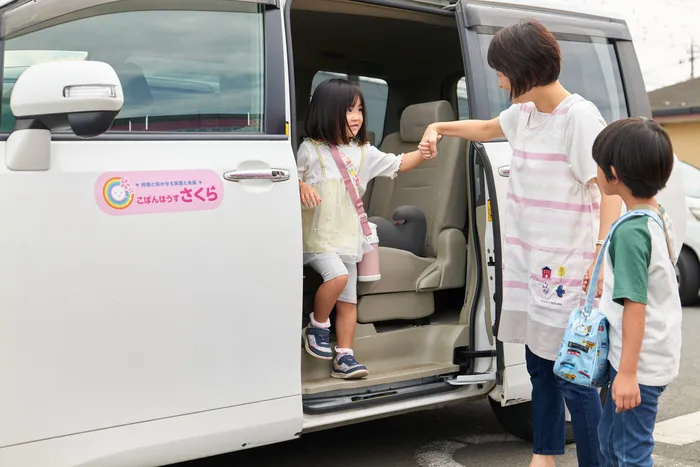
[352,191]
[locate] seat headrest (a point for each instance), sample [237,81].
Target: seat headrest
[416,118]
[371,137]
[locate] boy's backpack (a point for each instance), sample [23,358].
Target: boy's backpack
[583,353]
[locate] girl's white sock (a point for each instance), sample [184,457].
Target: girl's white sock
[341,351]
[316,324]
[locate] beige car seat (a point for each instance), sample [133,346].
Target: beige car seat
[439,188]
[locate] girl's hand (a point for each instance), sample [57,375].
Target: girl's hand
[308,195]
[428,144]
[424,150]
[625,392]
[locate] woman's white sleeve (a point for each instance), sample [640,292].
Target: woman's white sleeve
[584,123]
[508,119]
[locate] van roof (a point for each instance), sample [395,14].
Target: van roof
[599,11]
[21,14]
[584,10]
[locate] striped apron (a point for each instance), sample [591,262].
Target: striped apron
[550,231]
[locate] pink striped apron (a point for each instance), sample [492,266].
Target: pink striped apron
[550,230]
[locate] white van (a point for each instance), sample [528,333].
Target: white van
[152,291]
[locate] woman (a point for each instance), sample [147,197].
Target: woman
[554,226]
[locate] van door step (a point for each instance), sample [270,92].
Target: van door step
[352,399]
[476,378]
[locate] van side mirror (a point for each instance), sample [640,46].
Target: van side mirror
[83,96]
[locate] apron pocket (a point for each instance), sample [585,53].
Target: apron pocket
[554,285]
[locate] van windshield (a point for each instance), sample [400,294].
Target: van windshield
[589,68]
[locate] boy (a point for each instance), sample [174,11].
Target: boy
[640,294]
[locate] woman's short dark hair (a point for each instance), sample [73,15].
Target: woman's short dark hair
[527,54]
[327,117]
[641,152]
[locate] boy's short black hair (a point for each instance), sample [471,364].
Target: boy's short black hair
[641,152]
[527,54]
[327,117]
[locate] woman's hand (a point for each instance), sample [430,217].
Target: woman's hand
[309,196]
[589,274]
[428,144]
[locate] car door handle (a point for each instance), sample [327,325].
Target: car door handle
[504,171]
[274,175]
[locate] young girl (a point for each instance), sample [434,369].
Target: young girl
[555,223]
[333,239]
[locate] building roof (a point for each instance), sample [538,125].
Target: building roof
[677,99]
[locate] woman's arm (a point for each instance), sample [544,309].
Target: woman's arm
[473,130]
[610,209]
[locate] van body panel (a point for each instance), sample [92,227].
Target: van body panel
[162,334]
[166,441]
[143,279]
[164,311]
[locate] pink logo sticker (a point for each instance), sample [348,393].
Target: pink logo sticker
[122,193]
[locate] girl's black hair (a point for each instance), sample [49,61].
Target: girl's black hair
[327,117]
[527,54]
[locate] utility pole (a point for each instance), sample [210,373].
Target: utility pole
[694,54]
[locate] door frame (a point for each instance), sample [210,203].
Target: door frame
[396,4]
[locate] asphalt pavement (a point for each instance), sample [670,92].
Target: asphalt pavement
[469,435]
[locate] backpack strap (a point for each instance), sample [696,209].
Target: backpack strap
[669,244]
[590,296]
[354,196]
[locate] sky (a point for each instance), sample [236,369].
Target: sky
[662,32]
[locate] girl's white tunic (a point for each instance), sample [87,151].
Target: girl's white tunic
[334,226]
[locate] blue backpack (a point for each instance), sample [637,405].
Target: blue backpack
[583,353]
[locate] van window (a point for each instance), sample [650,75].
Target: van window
[375,92]
[193,71]
[589,68]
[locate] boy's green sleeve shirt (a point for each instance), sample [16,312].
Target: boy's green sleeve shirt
[630,256]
